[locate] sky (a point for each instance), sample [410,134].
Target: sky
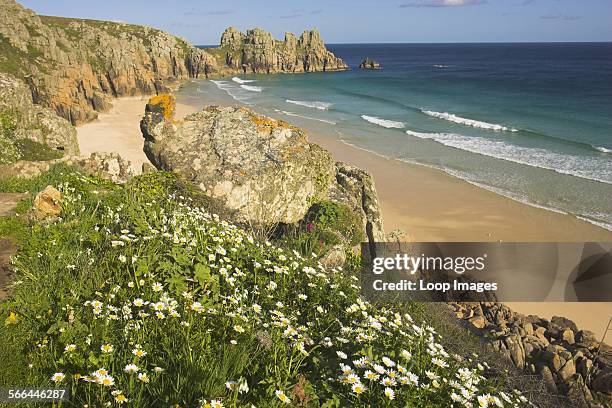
[358,21]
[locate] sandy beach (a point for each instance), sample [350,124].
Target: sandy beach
[425,203]
[118,130]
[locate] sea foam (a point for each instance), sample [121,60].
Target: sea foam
[232,91]
[389,124]
[304,117]
[252,88]
[468,122]
[602,149]
[311,104]
[587,167]
[242,81]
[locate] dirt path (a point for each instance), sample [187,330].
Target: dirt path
[8,203]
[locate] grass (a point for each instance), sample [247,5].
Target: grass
[138,293]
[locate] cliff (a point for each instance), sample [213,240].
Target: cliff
[76,66]
[29,131]
[258,52]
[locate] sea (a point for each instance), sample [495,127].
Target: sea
[530,121]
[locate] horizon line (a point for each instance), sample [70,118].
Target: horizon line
[444,42]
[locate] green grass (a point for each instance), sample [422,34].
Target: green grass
[145,267]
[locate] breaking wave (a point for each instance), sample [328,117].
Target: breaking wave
[252,88]
[311,104]
[242,81]
[587,167]
[304,117]
[389,124]
[468,122]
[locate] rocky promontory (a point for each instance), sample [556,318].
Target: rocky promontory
[77,66]
[369,64]
[263,170]
[258,52]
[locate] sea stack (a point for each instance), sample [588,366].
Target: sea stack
[369,64]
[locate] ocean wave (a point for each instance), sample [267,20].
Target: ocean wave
[602,149]
[252,88]
[242,81]
[232,91]
[304,117]
[311,104]
[587,167]
[468,122]
[441,66]
[389,124]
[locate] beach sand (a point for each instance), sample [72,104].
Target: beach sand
[425,203]
[118,130]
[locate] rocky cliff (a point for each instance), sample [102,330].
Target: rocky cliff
[76,66]
[258,52]
[30,131]
[264,170]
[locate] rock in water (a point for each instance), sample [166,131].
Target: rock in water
[258,52]
[369,64]
[47,203]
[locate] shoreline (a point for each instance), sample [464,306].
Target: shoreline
[427,203]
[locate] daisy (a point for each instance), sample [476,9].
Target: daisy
[107,348]
[58,377]
[131,368]
[143,377]
[120,399]
[358,388]
[283,397]
[389,393]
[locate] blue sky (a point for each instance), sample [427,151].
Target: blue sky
[359,21]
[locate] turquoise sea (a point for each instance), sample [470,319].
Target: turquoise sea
[529,121]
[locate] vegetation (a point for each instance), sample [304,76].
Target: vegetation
[13,149]
[137,294]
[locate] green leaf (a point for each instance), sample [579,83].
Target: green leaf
[202,273]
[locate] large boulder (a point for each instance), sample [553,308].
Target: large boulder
[264,171]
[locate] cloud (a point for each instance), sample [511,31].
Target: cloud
[564,17]
[442,3]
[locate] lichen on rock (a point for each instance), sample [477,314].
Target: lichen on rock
[263,170]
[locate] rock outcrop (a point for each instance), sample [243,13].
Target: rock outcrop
[369,64]
[76,66]
[263,170]
[258,52]
[110,166]
[571,361]
[22,120]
